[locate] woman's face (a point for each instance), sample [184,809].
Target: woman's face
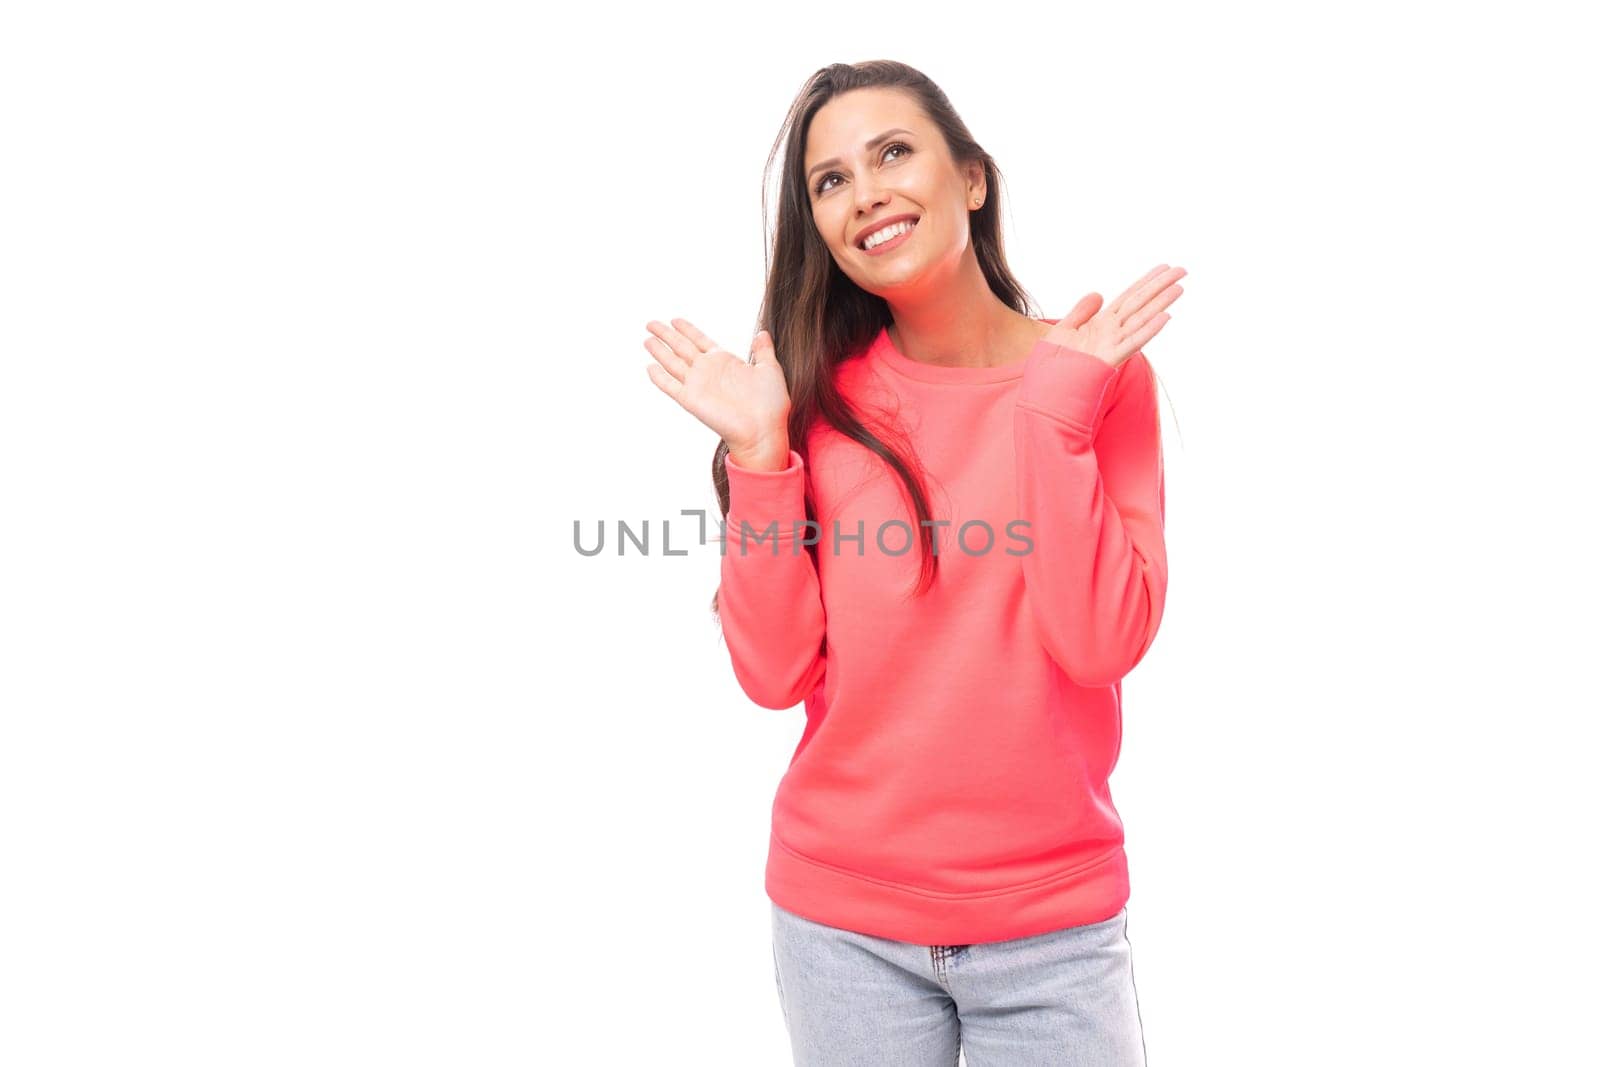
[872,156]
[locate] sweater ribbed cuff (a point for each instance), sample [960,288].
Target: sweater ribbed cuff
[761,498]
[1065,382]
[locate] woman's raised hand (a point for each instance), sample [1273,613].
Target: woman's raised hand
[1120,329]
[746,403]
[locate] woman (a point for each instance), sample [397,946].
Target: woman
[946,867]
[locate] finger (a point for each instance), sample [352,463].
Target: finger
[1150,286]
[670,361]
[1083,310]
[1141,337]
[1153,307]
[1119,305]
[761,350]
[684,348]
[692,332]
[665,382]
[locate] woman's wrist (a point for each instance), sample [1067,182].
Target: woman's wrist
[769,455]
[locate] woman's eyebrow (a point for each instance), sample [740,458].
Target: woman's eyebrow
[874,143]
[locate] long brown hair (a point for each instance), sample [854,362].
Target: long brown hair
[817,317]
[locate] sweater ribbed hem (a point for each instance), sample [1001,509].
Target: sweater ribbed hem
[1086,893]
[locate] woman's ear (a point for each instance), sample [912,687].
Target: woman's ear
[977,187]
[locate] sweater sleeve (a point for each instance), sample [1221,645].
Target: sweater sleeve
[1090,483]
[770,599]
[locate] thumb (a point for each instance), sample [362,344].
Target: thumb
[1084,310]
[761,350]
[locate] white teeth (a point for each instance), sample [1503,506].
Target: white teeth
[888,233]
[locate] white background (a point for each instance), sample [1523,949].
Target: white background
[322,324]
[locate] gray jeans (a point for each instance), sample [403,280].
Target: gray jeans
[1060,998]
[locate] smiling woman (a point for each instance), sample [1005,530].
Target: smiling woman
[902,381]
[892,194]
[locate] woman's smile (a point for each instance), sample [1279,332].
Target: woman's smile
[894,242]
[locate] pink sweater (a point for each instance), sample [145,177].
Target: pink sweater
[951,783]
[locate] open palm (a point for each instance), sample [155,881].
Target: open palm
[1119,329]
[745,403]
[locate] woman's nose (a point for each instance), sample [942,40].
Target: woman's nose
[869,196]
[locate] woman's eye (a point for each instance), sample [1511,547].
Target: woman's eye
[822,183]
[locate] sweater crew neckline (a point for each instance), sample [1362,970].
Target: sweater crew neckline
[883,349]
